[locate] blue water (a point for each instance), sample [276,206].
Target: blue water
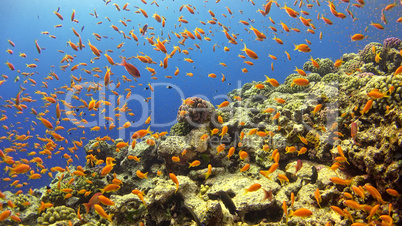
[23,21]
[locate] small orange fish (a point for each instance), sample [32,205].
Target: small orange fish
[300,82]
[245,168]
[142,175]
[175,180]
[377,25]
[302,212]
[337,180]
[357,37]
[315,64]
[367,107]
[194,163]
[317,196]
[253,187]
[272,81]
[250,53]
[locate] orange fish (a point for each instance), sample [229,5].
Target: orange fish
[250,53]
[317,196]
[131,69]
[194,163]
[272,81]
[291,12]
[302,212]
[300,82]
[141,133]
[142,175]
[337,180]
[175,180]
[279,41]
[376,94]
[253,187]
[367,107]
[245,168]
[223,104]
[38,47]
[94,200]
[315,64]
[377,25]
[95,50]
[357,37]
[99,210]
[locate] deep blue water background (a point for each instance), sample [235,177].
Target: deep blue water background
[23,21]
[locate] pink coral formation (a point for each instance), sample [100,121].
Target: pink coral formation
[365,74]
[194,110]
[392,42]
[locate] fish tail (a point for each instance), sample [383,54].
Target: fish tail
[123,62]
[87,206]
[149,129]
[109,217]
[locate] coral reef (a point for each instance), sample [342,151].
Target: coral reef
[326,66]
[276,150]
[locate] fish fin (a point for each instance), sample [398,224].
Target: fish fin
[123,62]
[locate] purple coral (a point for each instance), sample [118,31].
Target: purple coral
[391,42]
[365,74]
[194,110]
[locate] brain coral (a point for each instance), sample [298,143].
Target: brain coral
[326,66]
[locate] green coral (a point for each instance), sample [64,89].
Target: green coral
[54,214]
[81,183]
[312,138]
[332,78]
[314,77]
[19,200]
[373,68]
[253,91]
[351,65]
[326,66]
[383,84]
[368,55]
[180,129]
[226,116]
[204,189]
[354,82]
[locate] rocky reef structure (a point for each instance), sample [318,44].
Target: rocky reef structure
[294,154]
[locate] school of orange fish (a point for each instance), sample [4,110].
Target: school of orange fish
[52,117]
